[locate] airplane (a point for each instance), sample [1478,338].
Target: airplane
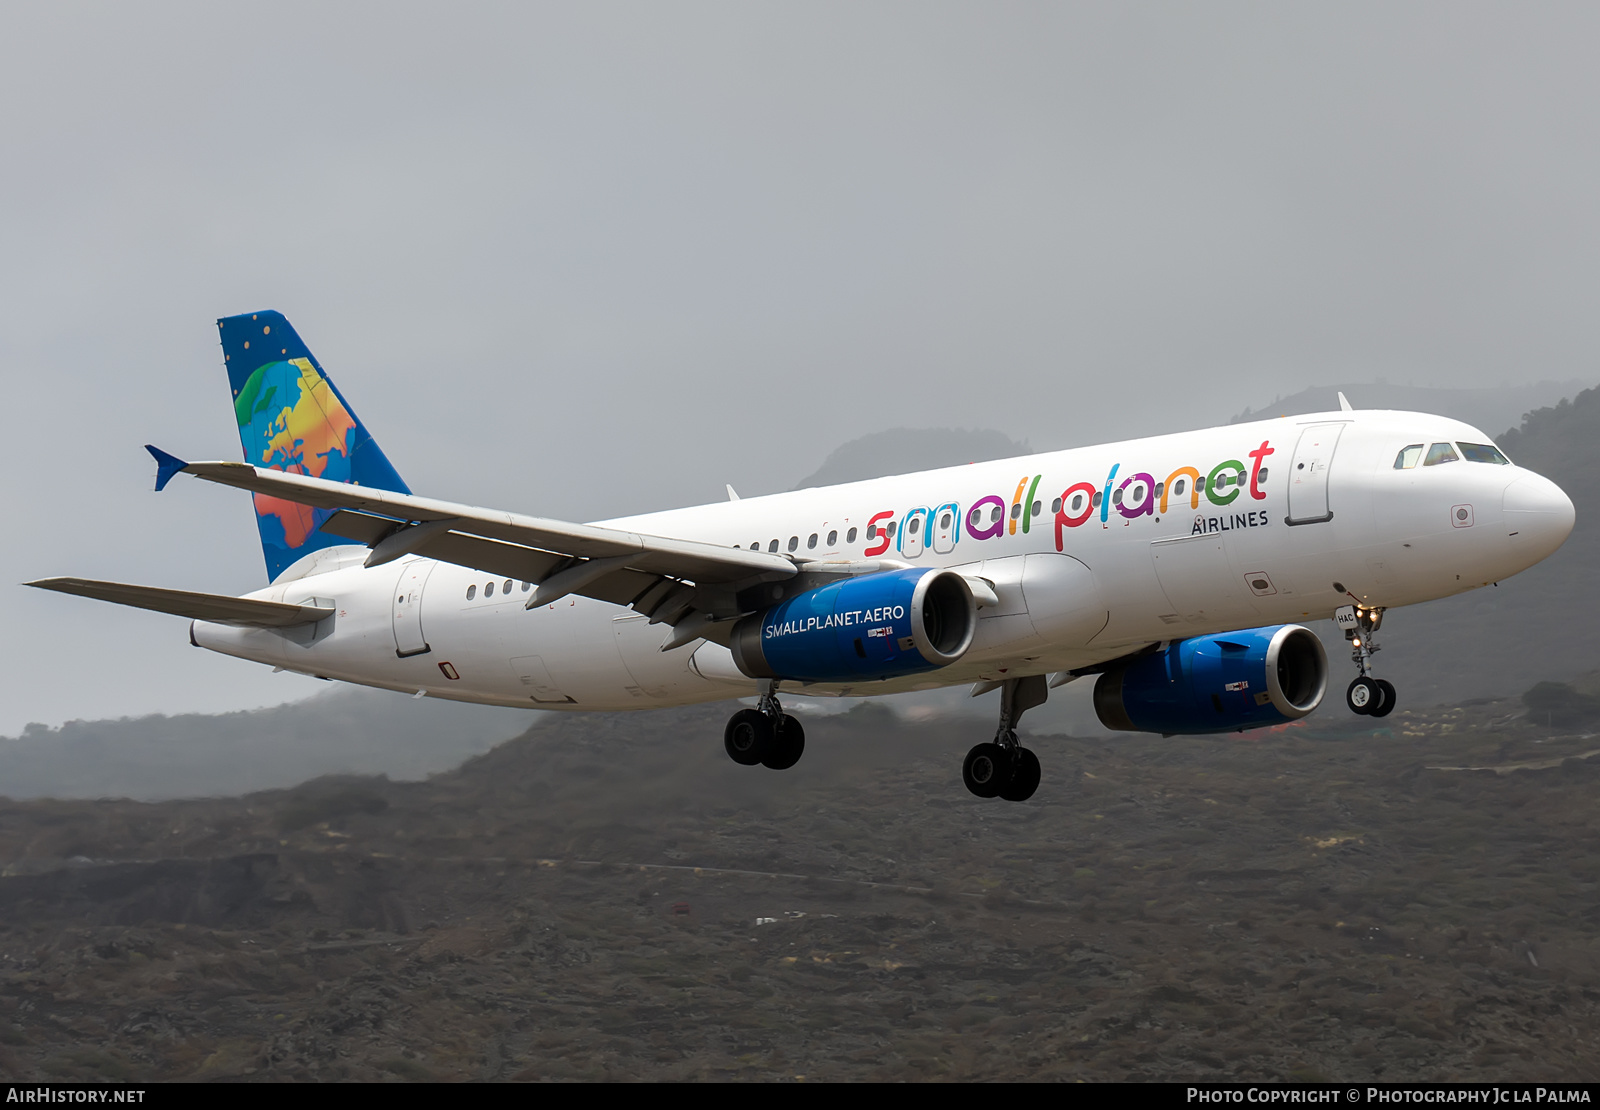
[1175,570]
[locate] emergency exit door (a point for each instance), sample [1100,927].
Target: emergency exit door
[408,636]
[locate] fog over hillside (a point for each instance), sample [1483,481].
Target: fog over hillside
[346,730]
[1489,410]
[905,450]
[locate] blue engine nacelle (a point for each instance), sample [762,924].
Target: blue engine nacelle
[1223,683]
[873,626]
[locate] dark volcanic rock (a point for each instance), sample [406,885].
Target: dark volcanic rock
[610,897]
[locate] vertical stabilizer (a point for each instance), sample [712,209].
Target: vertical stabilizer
[293,418]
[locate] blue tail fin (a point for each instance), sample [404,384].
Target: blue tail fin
[293,418]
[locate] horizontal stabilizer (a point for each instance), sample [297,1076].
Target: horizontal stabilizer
[183,603]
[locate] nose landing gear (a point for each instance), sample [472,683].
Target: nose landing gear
[1367,696]
[765,735]
[1003,768]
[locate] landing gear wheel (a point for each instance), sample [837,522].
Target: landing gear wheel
[788,745]
[1363,696]
[1024,776]
[748,737]
[985,770]
[1387,689]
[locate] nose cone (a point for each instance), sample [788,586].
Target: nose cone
[1537,514]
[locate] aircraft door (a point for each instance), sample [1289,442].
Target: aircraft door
[913,533]
[1308,474]
[408,637]
[946,528]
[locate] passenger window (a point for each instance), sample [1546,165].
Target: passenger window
[794,542]
[812,542]
[526,586]
[1177,487]
[1016,510]
[972,517]
[1077,502]
[1116,498]
[994,515]
[773,546]
[1036,508]
[1440,453]
[889,531]
[1408,457]
[850,536]
[944,521]
[872,531]
[915,526]
[505,589]
[756,546]
[1484,453]
[1055,506]
[488,591]
[472,591]
[833,539]
[1159,487]
[1097,499]
[1261,476]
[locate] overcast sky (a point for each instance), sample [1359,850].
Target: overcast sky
[587,259]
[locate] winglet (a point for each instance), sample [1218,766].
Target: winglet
[1345,405]
[167,466]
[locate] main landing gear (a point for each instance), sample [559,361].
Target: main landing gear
[1367,696]
[1003,768]
[765,735]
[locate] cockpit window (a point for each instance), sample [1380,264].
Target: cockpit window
[1408,457]
[1483,452]
[1440,453]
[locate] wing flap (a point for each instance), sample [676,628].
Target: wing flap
[362,528]
[185,603]
[504,560]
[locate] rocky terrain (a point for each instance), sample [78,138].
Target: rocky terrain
[609,897]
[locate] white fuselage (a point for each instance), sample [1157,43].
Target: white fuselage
[1080,578]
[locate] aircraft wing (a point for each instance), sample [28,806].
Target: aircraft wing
[665,577]
[184,603]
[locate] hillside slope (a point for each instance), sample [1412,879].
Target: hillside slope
[609,897]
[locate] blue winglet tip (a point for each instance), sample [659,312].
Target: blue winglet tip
[166,466]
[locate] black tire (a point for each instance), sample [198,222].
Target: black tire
[788,745]
[748,737]
[1387,689]
[1363,696]
[986,770]
[1025,774]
